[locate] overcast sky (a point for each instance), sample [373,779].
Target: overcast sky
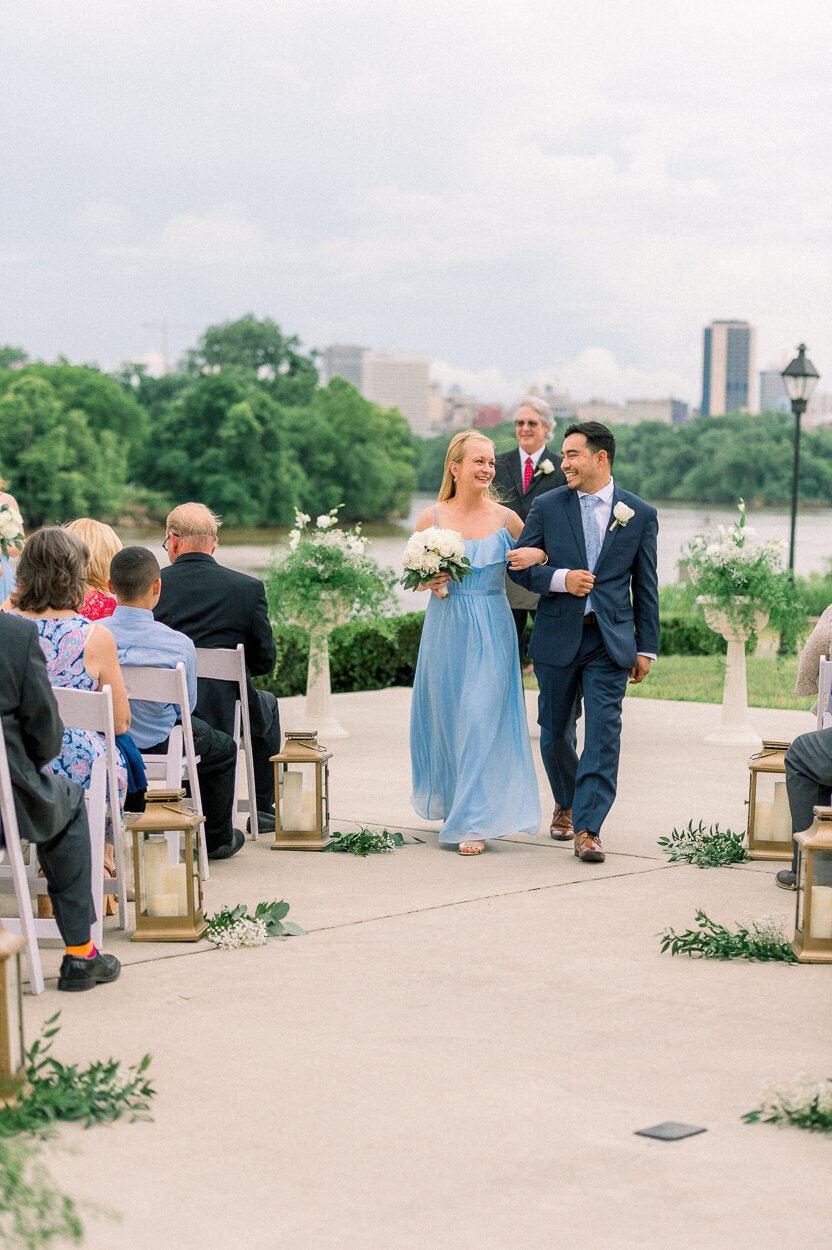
[529,192]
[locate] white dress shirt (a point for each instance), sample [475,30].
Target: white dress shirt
[534,457]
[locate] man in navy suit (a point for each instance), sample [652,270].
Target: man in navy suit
[597,624]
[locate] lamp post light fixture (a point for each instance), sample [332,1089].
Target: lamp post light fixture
[800,378]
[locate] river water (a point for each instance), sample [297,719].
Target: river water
[252,550]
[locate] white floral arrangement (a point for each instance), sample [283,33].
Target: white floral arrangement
[622,515]
[11,528]
[544,467]
[243,932]
[433,551]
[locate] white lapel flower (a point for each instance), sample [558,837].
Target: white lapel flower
[545,466]
[622,515]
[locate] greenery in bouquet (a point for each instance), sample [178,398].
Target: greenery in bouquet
[740,577]
[325,576]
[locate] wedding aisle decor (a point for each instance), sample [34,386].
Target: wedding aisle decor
[232,927]
[740,586]
[807,1104]
[368,842]
[707,848]
[761,940]
[324,579]
[433,551]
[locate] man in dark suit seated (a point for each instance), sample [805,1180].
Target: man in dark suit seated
[520,477]
[50,809]
[218,607]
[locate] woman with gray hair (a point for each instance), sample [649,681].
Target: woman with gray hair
[522,476]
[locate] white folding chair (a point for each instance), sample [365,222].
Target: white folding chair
[23,877]
[229,664]
[170,685]
[87,709]
[824,687]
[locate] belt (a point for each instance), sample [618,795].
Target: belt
[590,619]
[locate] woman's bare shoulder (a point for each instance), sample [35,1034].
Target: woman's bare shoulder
[426,520]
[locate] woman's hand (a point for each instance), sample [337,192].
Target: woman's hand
[436,584]
[526,557]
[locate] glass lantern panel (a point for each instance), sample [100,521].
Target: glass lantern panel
[299,798]
[772,820]
[165,878]
[800,881]
[14,1023]
[820,922]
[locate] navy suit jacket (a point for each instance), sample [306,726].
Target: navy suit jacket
[625,595]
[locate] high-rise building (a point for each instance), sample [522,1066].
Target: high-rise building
[727,367]
[343,360]
[773,394]
[399,380]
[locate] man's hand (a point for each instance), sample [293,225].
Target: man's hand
[641,669]
[580,582]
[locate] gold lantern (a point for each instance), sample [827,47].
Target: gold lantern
[813,913]
[12,1049]
[301,787]
[769,817]
[168,884]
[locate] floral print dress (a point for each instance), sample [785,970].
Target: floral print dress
[62,641]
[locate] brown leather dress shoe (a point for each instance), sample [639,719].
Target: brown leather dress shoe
[588,847]
[561,827]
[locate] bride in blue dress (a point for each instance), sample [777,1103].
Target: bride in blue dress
[469,739]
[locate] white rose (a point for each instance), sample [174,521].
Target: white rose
[622,514]
[325,521]
[546,467]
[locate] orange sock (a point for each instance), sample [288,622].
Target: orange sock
[86,951]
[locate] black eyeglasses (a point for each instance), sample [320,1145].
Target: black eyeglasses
[168,537]
[533,425]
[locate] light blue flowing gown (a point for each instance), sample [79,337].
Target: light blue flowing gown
[469,739]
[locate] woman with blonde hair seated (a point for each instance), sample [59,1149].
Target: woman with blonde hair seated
[102,543]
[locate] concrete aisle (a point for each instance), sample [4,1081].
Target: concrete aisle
[459,1052]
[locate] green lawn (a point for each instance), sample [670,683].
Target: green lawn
[698,679]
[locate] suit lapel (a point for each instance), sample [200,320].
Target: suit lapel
[611,534]
[536,482]
[572,506]
[515,473]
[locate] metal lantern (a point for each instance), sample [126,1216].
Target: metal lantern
[166,865]
[301,787]
[813,913]
[769,816]
[12,1049]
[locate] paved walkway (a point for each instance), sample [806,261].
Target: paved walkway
[459,1052]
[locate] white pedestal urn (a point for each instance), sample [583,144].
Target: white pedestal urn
[734,729]
[317,712]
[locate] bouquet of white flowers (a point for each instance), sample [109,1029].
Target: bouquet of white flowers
[11,528]
[433,551]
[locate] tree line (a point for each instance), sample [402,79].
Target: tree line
[244,428]
[708,460]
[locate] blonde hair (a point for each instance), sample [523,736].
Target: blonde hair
[455,455]
[102,543]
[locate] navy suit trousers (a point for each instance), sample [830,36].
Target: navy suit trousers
[586,784]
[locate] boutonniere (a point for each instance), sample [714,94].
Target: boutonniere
[545,466]
[622,515]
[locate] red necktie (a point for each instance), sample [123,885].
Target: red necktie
[527,474]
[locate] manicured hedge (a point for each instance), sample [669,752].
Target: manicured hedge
[363,658]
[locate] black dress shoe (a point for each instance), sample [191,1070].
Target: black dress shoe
[226,849]
[265,822]
[78,973]
[786,879]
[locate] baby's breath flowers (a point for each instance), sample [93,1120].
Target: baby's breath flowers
[806,1104]
[233,927]
[762,940]
[242,932]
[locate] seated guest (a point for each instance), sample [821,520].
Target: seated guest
[141,640]
[50,808]
[217,607]
[79,654]
[808,784]
[102,543]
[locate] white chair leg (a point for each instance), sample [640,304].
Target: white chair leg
[25,922]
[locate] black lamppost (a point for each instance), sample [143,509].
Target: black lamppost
[801,378]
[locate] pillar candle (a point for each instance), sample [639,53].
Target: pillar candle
[155,864]
[782,814]
[764,821]
[163,905]
[292,795]
[176,883]
[821,922]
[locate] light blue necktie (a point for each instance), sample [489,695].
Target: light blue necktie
[591,541]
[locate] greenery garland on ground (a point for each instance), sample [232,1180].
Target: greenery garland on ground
[33,1211]
[367,842]
[759,940]
[232,927]
[807,1105]
[707,848]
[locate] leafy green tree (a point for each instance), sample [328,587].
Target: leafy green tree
[259,351]
[57,465]
[11,356]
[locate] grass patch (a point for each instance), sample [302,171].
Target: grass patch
[699,678]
